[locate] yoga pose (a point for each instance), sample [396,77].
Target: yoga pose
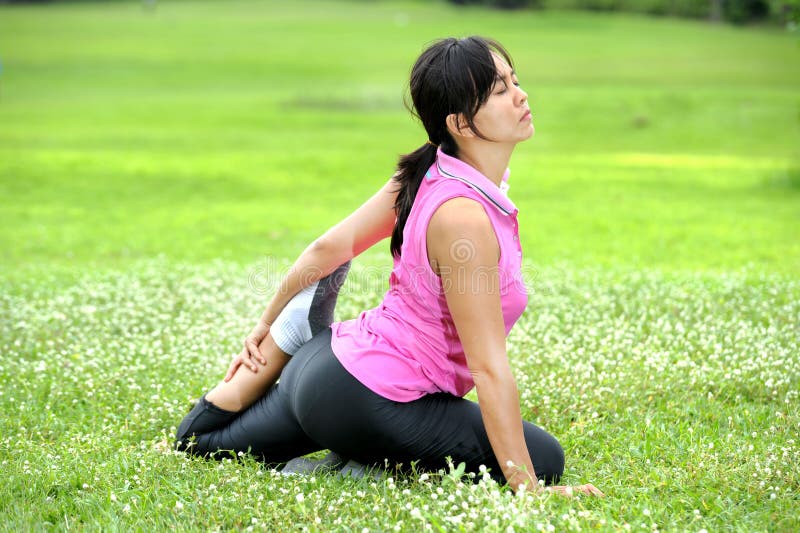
[390,384]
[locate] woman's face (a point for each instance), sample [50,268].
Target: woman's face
[505,117]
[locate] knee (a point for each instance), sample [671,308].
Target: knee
[189,443]
[204,417]
[184,442]
[184,437]
[182,434]
[551,466]
[291,329]
[190,446]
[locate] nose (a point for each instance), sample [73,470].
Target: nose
[522,96]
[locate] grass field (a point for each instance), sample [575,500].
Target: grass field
[159,169]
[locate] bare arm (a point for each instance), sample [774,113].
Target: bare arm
[463,249]
[367,225]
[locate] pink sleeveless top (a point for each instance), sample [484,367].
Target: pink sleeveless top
[408,346]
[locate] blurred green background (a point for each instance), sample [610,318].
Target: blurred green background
[154,159]
[238,130]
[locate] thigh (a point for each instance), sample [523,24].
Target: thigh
[438,426]
[341,414]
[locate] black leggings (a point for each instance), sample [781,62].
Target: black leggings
[319,405]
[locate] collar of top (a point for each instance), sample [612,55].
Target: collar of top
[451,167]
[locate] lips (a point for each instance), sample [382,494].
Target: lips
[526,116]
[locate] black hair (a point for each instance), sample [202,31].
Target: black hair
[450,76]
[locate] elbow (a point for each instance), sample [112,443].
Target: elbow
[324,247]
[320,245]
[492,375]
[327,251]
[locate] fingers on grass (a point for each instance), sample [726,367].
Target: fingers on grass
[596,491]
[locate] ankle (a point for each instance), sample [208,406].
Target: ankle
[223,402]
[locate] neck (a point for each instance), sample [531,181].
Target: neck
[489,158]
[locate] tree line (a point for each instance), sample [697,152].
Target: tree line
[736,11]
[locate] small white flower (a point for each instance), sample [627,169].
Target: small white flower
[300,498]
[178,506]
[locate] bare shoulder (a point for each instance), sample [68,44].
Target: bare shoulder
[458,223]
[458,215]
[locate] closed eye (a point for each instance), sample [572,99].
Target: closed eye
[501,83]
[502,80]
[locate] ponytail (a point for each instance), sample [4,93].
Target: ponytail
[410,170]
[452,76]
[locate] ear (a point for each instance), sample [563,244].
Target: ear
[457,126]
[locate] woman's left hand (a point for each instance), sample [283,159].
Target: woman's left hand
[250,351]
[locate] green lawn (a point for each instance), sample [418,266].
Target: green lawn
[159,169]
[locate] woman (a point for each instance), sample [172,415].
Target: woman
[390,383]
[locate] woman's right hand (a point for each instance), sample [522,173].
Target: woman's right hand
[570,491]
[250,351]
